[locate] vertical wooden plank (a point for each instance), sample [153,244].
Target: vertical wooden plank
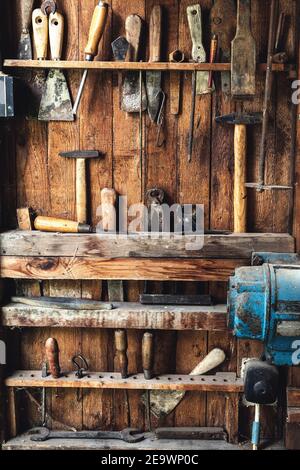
[232,417]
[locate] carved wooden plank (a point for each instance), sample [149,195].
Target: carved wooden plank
[124,315]
[126,269]
[16,243]
[112,380]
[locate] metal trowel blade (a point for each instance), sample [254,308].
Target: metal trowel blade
[56,102]
[154,94]
[131,94]
[25,47]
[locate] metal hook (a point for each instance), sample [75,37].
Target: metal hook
[160,120]
[80,369]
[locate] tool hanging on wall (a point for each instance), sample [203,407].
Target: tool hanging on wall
[163,402]
[280,57]
[212,59]
[25,46]
[95,34]
[81,157]
[261,185]
[131,97]
[129,435]
[176,57]
[223,24]
[120,48]
[243,55]
[155,93]
[40,28]
[56,101]
[240,122]
[53,224]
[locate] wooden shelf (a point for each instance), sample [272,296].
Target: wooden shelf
[111,65]
[124,315]
[221,382]
[51,256]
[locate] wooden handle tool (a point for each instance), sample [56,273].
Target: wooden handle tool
[155,29]
[25,48]
[52,356]
[153,78]
[40,33]
[148,355]
[121,349]
[175,79]
[240,191]
[56,34]
[212,58]
[52,224]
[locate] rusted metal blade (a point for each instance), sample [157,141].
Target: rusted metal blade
[154,94]
[25,47]
[120,47]
[56,102]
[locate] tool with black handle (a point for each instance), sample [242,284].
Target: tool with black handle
[95,35]
[243,55]
[56,101]
[25,46]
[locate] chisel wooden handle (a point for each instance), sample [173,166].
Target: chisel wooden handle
[96,30]
[240,192]
[40,33]
[108,202]
[148,355]
[213,359]
[121,349]
[52,224]
[52,356]
[133,27]
[155,34]
[56,34]
[26,13]
[212,57]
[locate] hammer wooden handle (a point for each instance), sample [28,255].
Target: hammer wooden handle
[148,355]
[56,34]
[121,349]
[96,30]
[155,34]
[52,356]
[81,191]
[240,192]
[40,33]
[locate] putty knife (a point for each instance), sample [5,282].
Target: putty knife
[25,47]
[56,102]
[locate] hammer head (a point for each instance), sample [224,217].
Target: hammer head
[81,154]
[240,118]
[132,435]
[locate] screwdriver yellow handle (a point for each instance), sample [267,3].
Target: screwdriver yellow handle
[96,30]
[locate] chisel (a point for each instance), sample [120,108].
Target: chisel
[95,34]
[153,78]
[25,47]
[40,39]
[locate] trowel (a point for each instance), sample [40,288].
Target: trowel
[131,101]
[56,102]
[25,47]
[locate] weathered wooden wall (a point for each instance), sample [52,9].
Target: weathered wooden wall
[33,175]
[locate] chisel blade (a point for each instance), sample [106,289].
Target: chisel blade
[56,102]
[154,94]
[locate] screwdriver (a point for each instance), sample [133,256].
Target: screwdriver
[95,34]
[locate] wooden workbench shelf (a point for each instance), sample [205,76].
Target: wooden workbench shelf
[221,382]
[124,315]
[111,65]
[136,257]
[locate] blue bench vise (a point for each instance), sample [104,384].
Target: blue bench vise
[264,305]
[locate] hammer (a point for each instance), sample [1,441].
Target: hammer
[240,121]
[81,187]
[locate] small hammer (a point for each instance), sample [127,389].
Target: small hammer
[81,186]
[240,121]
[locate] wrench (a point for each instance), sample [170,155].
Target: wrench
[129,435]
[48,6]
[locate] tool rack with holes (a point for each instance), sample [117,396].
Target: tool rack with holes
[98,328]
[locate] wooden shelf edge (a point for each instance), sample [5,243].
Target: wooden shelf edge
[221,382]
[111,65]
[124,315]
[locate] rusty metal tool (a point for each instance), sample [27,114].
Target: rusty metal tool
[261,185]
[192,118]
[131,95]
[25,46]
[121,350]
[243,55]
[95,34]
[194,15]
[81,157]
[212,59]
[153,78]
[120,48]
[52,356]
[223,24]
[240,122]
[129,435]
[192,433]
[56,101]
[164,402]
[53,224]
[176,57]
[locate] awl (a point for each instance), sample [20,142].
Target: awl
[95,34]
[153,79]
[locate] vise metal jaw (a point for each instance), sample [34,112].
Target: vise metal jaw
[264,305]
